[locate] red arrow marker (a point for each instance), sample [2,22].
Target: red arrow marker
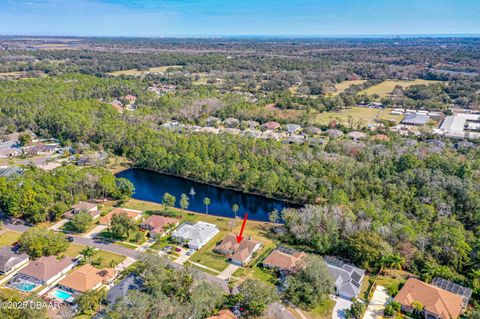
[240,237]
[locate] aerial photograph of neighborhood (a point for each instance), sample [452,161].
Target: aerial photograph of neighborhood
[220,159]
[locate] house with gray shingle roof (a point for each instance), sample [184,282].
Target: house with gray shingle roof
[292,128]
[10,261]
[347,278]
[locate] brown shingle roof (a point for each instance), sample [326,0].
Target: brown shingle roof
[442,303]
[237,251]
[284,261]
[45,268]
[87,277]
[84,206]
[158,223]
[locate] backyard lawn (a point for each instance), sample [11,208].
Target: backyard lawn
[7,238]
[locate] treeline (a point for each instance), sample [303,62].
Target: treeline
[403,196]
[38,196]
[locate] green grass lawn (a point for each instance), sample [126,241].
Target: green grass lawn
[323,311]
[386,87]
[207,257]
[74,250]
[106,234]
[7,238]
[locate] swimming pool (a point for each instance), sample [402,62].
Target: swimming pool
[61,294]
[24,286]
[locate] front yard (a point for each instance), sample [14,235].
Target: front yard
[7,238]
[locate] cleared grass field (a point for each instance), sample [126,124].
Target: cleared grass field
[140,72]
[107,257]
[7,238]
[342,86]
[386,88]
[363,115]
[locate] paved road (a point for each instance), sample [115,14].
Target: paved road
[275,308]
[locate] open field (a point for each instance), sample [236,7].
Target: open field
[271,110]
[342,86]
[7,238]
[363,114]
[140,72]
[385,88]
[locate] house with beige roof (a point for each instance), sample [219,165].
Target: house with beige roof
[90,208]
[238,253]
[132,214]
[85,278]
[44,270]
[157,225]
[437,303]
[286,261]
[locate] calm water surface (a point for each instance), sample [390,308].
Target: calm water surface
[151,186]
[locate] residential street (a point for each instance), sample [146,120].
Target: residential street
[274,309]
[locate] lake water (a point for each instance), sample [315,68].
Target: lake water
[151,186]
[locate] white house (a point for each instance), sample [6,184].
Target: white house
[195,235]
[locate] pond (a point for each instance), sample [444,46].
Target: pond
[151,186]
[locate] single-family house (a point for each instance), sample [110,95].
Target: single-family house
[231,122]
[251,133]
[10,152]
[463,145]
[9,144]
[85,278]
[90,208]
[355,135]
[295,139]
[238,253]
[313,130]
[464,292]
[10,171]
[157,225]
[132,214]
[11,261]
[271,126]
[415,119]
[131,282]
[292,128]
[250,124]
[437,303]
[380,137]
[233,131]
[224,314]
[334,133]
[347,278]
[286,261]
[46,270]
[195,235]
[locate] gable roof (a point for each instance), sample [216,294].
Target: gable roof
[440,302]
[237,251]
[416,119]
[8,258]
[347,277]
[46,268]
[158,223]
[271,125]
[196,234]
[107,218]
[284,261]
[86,277]
[84,206]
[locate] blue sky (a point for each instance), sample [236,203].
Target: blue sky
[238,17]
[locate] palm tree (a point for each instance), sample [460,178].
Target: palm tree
[88,252]
[206,202]
[396,262]
[417,309]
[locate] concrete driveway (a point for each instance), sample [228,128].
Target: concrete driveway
[183,257]
[228,272]
[58,225]
[340,307]
[94,232]
[377,304]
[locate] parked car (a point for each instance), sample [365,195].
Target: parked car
[178,249]
[190,251]
[70,238]
[167,248]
